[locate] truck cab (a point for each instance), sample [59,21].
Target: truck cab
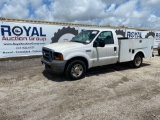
[103,47]
[92,48]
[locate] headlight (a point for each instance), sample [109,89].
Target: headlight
[58,56]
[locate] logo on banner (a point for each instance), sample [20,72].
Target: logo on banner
[150,35]
[62,32]
[120,32]
[134,34]
[17,31]
[28,33]
[157,36]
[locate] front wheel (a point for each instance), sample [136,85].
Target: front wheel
[137,62]
[75,70]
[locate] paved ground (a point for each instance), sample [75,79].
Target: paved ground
[115,92]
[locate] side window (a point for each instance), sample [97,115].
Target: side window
[107,36]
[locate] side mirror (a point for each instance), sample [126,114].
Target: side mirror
[73,38]
[102,43]
[95,44]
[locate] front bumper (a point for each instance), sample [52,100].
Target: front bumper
[54,66]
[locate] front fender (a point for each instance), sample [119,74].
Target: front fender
[79,54]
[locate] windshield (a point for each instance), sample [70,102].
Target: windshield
[85,36]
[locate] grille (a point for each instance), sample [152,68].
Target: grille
[48,54]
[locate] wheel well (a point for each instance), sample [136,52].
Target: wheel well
[77,58]
[141,53]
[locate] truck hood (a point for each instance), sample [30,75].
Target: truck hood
[61,46]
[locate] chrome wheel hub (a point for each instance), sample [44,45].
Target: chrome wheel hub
[138,61]
[77,70]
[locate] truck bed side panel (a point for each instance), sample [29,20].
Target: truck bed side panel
[128,48]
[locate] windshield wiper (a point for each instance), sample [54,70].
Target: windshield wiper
[77,41]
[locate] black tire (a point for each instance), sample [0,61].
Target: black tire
[137,62]
[75,70]
[159,52]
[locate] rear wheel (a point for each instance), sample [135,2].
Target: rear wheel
[75,70]
[159,52]
[137,62]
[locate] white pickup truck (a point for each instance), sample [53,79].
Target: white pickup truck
[92,48]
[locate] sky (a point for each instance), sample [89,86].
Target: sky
[129,13]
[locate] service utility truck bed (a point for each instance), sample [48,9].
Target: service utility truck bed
[128,48]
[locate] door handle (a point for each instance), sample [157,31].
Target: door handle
[115,49]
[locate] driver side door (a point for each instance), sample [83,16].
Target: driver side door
[107,54]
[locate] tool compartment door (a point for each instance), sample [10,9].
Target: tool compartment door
[125,50]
